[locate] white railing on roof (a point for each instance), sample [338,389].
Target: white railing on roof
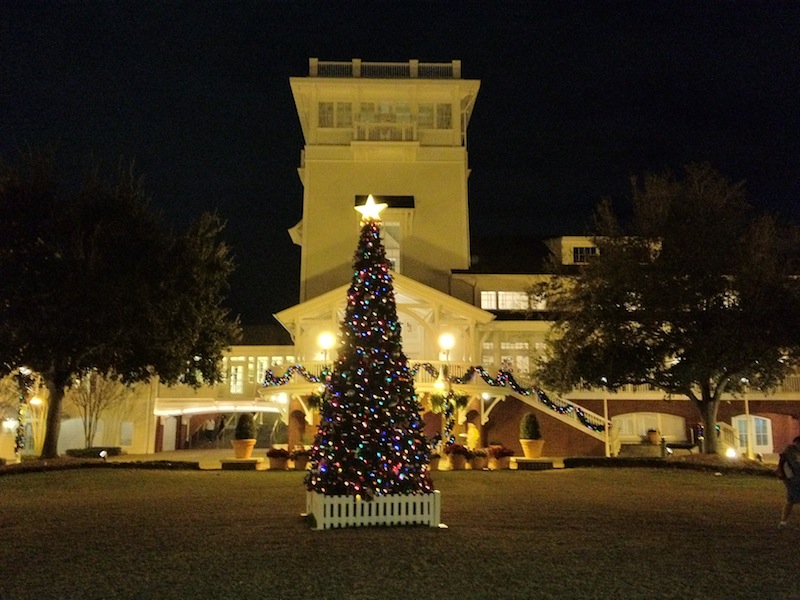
[413,69]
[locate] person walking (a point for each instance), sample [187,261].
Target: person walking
[789,472]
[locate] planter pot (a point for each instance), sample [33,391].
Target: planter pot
[243,448]
[653,437]
[278,464]
[434,465]
[458,462]
[479,463]
[300,464]
[499,464]
[532,448]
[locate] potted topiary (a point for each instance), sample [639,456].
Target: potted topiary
[479,460]
[458,456]
[244,438]
[500,457]
[530,436]
[300,458]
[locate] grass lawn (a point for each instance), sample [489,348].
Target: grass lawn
[574,533]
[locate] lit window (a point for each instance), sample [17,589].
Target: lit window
[262,364]
[368,112]
[403,111]
[237,379]
[425,116]
[489,300]
[339,114]
[344,115]
[538,302]
[514,345]
[391,234]
[582,254]
[326,114]
[444,116]
[762,431]
[512,300]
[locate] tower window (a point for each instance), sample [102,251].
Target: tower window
[336,114]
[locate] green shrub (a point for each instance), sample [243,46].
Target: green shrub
[529,428]
[245,427]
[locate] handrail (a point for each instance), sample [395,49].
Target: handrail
[458,374]
[412,69]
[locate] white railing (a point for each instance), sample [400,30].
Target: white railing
[384,132]
[331,512]
[413,69]
[728,436]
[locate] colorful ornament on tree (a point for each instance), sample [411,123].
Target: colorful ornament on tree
[370,441]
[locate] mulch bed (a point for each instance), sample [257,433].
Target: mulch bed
[65,463]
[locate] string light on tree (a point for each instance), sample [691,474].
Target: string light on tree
[370,441]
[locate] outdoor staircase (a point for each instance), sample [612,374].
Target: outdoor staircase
[574,415]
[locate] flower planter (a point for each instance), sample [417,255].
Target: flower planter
[653,438]
[278,464]
[243,448]
[434,464]
[499,464]
[479,463]
[458,462]
[532,448]
[300,463]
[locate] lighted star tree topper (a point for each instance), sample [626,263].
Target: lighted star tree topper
[370,441]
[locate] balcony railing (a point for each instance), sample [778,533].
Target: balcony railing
[413,69]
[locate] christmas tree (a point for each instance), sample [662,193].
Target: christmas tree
[370,441]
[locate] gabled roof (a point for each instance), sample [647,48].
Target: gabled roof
[406,291]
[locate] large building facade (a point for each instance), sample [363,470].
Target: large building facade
[398,131]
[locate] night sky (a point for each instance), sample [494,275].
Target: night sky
[575,97]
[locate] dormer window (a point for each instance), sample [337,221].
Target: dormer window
[582,254]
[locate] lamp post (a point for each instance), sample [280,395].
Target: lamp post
[748,424]
[446,343]
[325,341]
[603,380]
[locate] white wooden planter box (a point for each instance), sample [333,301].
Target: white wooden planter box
[347,511]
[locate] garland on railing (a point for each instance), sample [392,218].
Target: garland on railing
[429,368]
[503,379]
[506,379]
[271,380]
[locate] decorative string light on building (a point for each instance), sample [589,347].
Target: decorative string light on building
[503,379]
